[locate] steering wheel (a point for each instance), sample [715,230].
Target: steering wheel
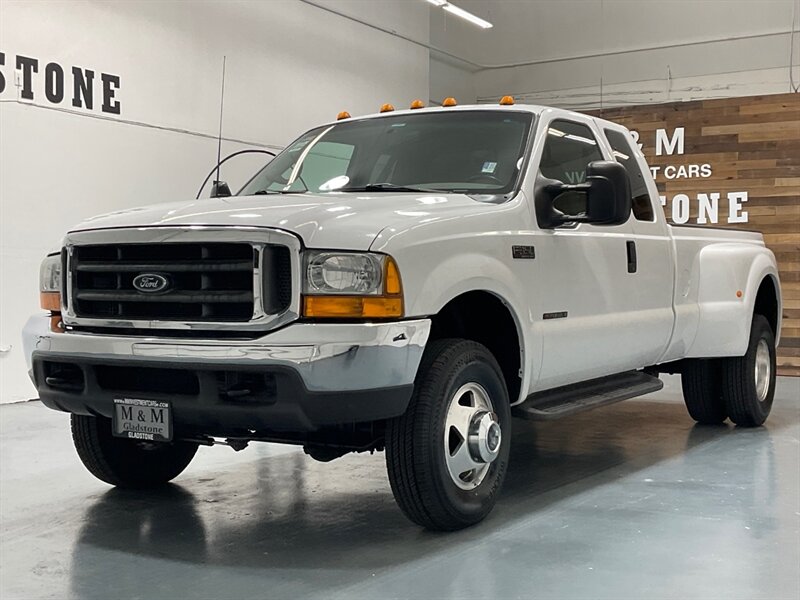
[486,178]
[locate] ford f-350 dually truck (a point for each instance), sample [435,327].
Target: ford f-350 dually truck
[406,281]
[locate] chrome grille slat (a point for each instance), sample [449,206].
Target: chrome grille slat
[176,267]
[185,296]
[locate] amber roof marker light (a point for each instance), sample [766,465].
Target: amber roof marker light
[449,102]
[507,101]
[343,115]
[387,108]
[417,104]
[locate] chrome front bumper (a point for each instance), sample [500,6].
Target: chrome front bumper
[327,357]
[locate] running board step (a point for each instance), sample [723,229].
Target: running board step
[578,397]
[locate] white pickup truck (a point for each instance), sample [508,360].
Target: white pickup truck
[406,281]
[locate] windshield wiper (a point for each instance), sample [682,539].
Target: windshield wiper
[265,192]
[387,187]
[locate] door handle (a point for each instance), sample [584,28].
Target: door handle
[631,245]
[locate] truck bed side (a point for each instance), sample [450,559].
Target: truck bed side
[719,273]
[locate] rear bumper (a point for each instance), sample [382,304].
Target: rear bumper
[300,378]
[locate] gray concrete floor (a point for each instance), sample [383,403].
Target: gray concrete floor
[629,501]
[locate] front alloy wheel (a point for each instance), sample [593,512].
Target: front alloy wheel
[472,436]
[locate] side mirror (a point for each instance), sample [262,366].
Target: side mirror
[605,196]
[220,189]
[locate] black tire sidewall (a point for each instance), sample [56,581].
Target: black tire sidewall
[125,463]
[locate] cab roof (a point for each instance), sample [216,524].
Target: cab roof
[535,109]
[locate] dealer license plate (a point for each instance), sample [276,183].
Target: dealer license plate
[139,419]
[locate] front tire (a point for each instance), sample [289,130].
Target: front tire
[748,382]
[127,463]
[447,456]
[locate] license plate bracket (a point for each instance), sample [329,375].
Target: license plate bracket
[142,419]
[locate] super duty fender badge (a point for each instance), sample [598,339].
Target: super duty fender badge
[523,252]
[150,283]
[555,315]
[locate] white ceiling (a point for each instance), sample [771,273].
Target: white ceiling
[549,29]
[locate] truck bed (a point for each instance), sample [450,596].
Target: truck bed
[715,234]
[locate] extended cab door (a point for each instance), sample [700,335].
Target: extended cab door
[655,260]
[590,324]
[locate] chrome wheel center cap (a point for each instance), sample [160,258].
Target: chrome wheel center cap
[484,437]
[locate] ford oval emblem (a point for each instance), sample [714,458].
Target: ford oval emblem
[150,283]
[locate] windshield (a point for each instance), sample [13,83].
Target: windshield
[473,152]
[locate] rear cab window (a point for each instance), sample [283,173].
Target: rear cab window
[625,154]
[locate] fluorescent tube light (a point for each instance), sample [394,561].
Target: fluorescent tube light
[460,12]
[438,2]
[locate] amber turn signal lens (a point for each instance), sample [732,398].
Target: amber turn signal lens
[449,102]
[387,108]
[392,285]
[343,115]
[507,101]
[353,307]
[417,104]
[50,301]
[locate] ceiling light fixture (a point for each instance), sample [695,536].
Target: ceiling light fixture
[460,12]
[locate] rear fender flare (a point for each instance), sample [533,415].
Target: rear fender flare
[729,277]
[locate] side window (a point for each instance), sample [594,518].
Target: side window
[624,154]
[568,150]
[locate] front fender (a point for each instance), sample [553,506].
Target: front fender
[471,272]
[466,273]
[729,277]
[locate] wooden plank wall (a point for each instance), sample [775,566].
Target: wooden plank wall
[751,144]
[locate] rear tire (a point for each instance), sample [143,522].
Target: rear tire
[438,475]
[701,380]
[127,463]
[748,382]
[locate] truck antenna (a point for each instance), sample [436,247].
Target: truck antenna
[219,137]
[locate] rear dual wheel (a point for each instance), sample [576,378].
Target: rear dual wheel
[740,388]
[748,382]
[447,455]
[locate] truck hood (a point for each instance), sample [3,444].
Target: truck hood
[336,221]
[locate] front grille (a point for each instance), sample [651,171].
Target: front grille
[205,281]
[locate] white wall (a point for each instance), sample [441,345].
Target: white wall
[636,51]
[290,66]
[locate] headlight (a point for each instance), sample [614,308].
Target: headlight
[50,283]
[335,273]
[351,285]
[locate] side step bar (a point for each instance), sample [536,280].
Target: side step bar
[578,397]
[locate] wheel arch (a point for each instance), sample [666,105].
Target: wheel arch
[498,328]
[768,303]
